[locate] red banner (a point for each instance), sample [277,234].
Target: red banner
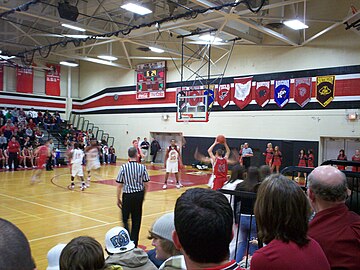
[242,91]
[224,95]
[1,77]
[52,80]
[302,93]
[24,80]
[262,93]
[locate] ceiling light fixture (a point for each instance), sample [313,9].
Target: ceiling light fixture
[77,36]
[98,61]
[73,27]
[210,38]
[296,24]
[108,57]
[157,50]
[69,63]
[4,57]
[135,8]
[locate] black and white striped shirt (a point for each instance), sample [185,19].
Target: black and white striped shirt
[133,175]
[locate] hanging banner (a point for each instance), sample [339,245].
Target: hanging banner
[1,77]
[325,89]
[282,92]
[210,97]
[195,97]
[242,91]
[302,91]
[52,80]
[224,95]
[262,93]
[24,80]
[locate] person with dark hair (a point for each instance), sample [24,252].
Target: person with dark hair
[302,163]
[335,227]
[282,214]
[122,251]
[276,160]
[133,180]
[13,150]
[145,148]
[15,253]
[341,156]
[264,171]
[356,158]
[172,162]
[82,252]
[237,176]
[310,159]
[247,218]
[203,229]
[165,250]
[154,148]
[140,155]
[77,156]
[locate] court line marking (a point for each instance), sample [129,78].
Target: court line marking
[53,208]
[21,212]
[89,228]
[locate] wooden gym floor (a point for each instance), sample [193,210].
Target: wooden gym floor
[48,213]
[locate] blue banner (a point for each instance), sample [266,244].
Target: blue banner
[282,92]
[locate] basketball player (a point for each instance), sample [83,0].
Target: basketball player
[92,159]
[42,153]
[77,156]
[2,159]
[27,156]
[220,164]
[135,143]
[172,163]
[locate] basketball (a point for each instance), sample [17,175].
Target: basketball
[220,139]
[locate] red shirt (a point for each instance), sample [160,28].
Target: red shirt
[278,255]
[337,230]
[220,168]
[311,160]
[232,265]
[13,147]
[355,158]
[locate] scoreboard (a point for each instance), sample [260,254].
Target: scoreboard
[151,80]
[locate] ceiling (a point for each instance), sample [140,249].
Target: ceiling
[39,25]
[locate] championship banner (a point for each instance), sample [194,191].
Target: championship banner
[302,92]
[262,93]
[1,77]
[282,92]
[242,91]
[52,80]
[224,95]
[195,97]
[210,97]
[325,89]
[24,80]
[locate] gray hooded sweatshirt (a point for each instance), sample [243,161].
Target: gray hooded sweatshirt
[132,259]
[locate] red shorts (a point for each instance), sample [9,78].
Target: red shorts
[41,162]
[267,160]
[276,162]
[219,183]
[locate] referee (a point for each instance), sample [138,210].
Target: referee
[133,178]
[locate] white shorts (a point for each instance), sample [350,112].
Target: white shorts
[77,170]
[92,165]
[172,167]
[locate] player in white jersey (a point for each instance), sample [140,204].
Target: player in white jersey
[172,163]
[77,156]
[92,159]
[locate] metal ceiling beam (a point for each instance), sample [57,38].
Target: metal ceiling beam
[270,6]
[126,53]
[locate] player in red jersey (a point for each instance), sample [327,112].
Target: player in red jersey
[135,143]
[27,156]
[219,162]
[356,158]
[269,152]
[341,156]
[2,159]
[310,159]
[276,160]
[42,153]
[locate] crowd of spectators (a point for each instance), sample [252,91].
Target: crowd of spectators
[20,135]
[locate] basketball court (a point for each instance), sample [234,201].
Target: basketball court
[48,213]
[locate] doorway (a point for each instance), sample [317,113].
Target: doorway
[164,139]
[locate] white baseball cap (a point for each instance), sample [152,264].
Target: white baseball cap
[117,240]
[53,257]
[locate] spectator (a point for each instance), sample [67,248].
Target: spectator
[155,147]
[91,134]
[50,159]
[32,114]
[145,148]
[53,257]
[165,250]
[8,129]
[247,220]
[31,124]
[14,115]
[2,159]
[39,135]
[5,111]
[203,229]
[3,141]
[112,156]
[335,227]
[2,119]
[15,253]
[82,252]
[29,132]
[122,251]
[14,151]
[282,214]
[264,171]
[246,155]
